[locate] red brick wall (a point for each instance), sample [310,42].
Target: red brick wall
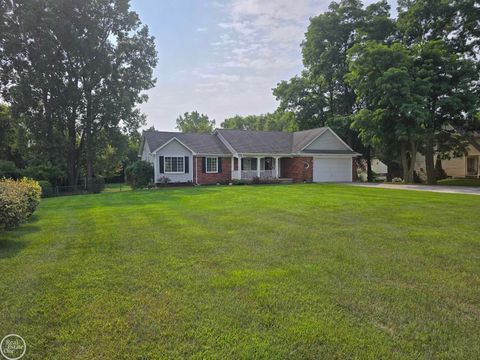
[294,168]
[212,178]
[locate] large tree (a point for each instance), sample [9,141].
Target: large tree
[75,70]
[194,122]
[445,38]
[321,96]
[391,97]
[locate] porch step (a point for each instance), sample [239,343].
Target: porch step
[285,180]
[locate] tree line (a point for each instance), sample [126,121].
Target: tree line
[71,76]
[393,88]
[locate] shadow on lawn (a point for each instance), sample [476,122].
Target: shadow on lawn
[12,242]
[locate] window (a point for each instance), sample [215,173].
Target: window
[267,163]
[212,164]
[249,164]
[174,164]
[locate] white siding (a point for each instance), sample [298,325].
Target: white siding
[146,154]
[327,141]
[174,148]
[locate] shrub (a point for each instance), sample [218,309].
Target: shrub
[8,169]
[18,200]
[51,173]
[139,174]
[163,180]
[32,192]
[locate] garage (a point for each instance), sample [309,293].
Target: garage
[332,169]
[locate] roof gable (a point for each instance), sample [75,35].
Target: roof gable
[327,141]
[305,137]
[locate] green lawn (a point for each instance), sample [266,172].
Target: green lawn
[267,272]
[460,182]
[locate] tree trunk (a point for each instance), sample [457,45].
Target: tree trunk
[369,165]
[408,153]
[89,151]
[429,160]
[72,150]
[389,172]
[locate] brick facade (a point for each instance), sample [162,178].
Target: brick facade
[201,177]
[295,169]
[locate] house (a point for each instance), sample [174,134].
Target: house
[317,155]
[459,167]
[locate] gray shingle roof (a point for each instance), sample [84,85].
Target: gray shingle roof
[242,141]
[199,143]
[270,142]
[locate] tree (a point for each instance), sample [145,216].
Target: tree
[75,69]
[445,39]
[384,80]
[304,97]
[139,174]
[277,121]
[195,122]
[449,100]
[321,96]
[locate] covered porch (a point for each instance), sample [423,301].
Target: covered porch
[249,167]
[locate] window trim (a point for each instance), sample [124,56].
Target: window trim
[173,172]
[206,165]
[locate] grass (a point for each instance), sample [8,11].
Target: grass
[460,182]
[266,272]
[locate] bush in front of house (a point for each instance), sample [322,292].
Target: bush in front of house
[18,201]
[163,180]
[139,174]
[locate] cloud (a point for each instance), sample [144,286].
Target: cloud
[202,29]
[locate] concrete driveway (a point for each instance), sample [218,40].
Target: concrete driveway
[433,188]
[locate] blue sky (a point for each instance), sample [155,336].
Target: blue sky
[223,57]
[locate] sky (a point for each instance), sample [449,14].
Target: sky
[223,57]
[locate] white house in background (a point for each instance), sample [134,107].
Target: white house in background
[317,155]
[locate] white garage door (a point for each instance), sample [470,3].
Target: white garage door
[325,170]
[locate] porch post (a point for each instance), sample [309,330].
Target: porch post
[232,168]
[258,166]
[277,174]
[239,167]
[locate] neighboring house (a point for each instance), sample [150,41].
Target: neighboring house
[459,167]
[317,155]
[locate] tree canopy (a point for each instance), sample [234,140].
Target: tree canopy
[74,72]
[194,122]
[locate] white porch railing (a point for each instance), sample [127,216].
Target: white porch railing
[264,174]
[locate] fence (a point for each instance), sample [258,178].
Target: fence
[50,191]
